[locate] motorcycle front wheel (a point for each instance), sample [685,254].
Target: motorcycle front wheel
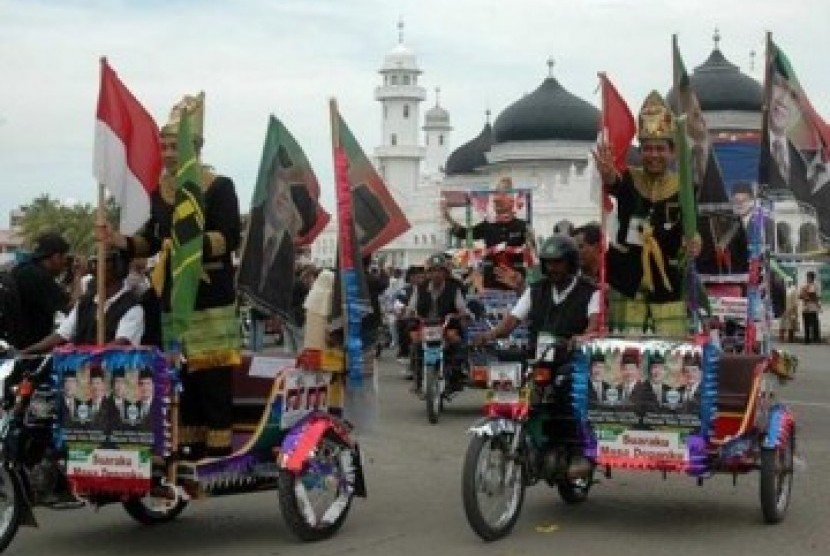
[433,395]
[493,486]
[11,506]
[316,501]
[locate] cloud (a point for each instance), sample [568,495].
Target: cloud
[257,57]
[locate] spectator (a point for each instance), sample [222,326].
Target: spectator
[811,306]
[40,294]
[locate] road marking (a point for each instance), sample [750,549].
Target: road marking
[824,405]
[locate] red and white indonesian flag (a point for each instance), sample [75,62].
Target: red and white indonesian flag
[127,150]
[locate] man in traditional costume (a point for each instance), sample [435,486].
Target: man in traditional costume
[211,342]
[644,259]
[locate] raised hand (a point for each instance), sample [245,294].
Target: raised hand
[604,160]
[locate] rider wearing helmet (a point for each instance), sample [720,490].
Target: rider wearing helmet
[563,303]
[440,296]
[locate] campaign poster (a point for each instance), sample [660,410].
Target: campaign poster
[111,416]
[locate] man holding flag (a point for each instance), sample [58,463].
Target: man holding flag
[195,227]
[644,260]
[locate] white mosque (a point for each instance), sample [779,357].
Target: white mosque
[543,141]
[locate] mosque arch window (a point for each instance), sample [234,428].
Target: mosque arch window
[405,110]
[440,139]
[393,79]
[785,242]
[807,238]
[385,112]
[394,139]
[405,79]
[416,239]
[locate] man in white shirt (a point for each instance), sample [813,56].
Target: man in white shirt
[563,304]
[124,317]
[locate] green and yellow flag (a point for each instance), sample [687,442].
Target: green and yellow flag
[186,237]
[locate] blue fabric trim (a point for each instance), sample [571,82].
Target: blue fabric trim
[710,360]
[355,310]
[773,436]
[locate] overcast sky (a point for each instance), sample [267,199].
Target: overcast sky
[287,57]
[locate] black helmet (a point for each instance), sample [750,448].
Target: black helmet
[437,260]
[559,247]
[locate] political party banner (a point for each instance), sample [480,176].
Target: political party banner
[642,448]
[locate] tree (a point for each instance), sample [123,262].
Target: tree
[76,223]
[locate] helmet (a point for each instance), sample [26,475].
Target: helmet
[437,260]
[559,247]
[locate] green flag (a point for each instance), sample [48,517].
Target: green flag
[187,236]
[688,209]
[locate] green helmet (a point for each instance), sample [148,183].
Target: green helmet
[560,247]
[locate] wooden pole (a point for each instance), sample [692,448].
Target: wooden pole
[101,272]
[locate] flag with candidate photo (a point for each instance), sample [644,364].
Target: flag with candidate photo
[377,217]
[795,153]
[285,213]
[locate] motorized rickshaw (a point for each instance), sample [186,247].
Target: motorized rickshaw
[96,426]
[698,405]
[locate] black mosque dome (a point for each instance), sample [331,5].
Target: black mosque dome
[471,155]
[720,85]
[549,112]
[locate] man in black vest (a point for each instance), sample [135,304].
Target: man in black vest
[124,317]
[563,304]
[438,298]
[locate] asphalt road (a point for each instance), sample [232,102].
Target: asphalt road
[414,506]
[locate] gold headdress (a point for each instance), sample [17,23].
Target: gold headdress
[655,120]
[195,107]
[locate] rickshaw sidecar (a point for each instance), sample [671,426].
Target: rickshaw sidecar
[287,436]
[726,420]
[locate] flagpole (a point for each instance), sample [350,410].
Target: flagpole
[767,89]
[603,218]
[101,270]
[334,121]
